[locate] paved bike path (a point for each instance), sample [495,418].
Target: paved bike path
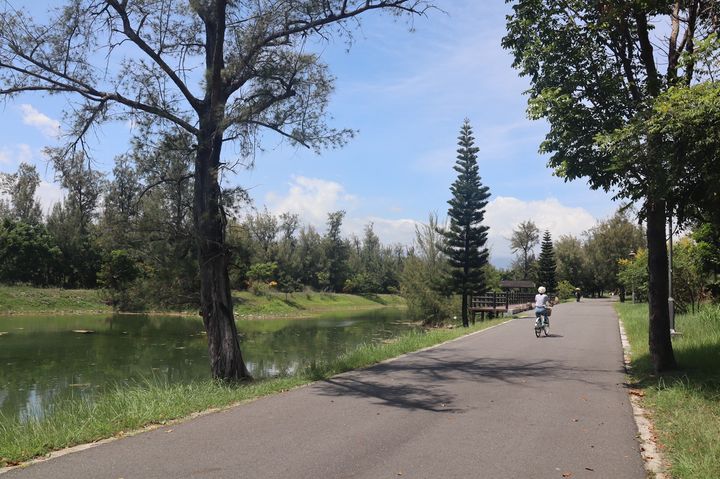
[497,404]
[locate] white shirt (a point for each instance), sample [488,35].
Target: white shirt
[541,300]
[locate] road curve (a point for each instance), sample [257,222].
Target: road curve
[496,404]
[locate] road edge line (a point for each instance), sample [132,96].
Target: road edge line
[653,458]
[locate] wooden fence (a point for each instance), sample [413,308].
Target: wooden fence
[500,302]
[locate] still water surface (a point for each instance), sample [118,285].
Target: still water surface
[42,360]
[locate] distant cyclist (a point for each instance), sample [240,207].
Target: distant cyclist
[541,304]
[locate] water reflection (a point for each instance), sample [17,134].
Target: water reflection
[44,359]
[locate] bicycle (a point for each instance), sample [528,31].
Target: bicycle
[542,324]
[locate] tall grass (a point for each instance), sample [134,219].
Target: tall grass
[125,409]
[685,405]
[121,409]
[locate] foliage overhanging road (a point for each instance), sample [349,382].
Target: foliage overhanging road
[499,403]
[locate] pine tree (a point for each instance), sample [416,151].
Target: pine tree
[546,264]
[466,236]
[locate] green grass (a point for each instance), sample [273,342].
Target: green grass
[30,300]
[685,405]
[155,402]
[301,304]
[26,299]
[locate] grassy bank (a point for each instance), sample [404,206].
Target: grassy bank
[684,406]
[29,300]
[127,409]
[302,304]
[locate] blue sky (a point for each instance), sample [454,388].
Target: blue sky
[407,93]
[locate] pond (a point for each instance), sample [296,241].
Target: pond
[50,358]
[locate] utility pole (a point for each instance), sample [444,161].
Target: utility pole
[671,301]
[632,256]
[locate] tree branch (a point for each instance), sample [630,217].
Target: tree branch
[293,27]
[282,132]
[646,53]
[74,85]
[134,36]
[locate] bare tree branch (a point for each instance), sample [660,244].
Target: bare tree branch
[134,36]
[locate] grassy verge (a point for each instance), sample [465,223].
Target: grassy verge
[127,409]
[29,300]
[249,305]
[685,406]
[26,299]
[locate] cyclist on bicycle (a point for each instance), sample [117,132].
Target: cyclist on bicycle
[541,304]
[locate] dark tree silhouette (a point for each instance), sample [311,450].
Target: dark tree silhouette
[546,264]
[466,236]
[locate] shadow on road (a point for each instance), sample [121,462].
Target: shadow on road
[421,384]
[403,396]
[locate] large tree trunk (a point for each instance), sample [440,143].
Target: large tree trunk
[660,343]
[226,361]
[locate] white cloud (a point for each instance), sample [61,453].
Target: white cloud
[389,231]
[504,213]
[48,194]
[48,126]
[314,198]
[24,153]
[311,198]
[5,157]
[20,153]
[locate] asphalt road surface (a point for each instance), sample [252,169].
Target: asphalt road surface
[497,404]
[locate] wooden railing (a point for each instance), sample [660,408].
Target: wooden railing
[496,301]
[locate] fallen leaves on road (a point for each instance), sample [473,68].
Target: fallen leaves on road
[637,392]
[567,474]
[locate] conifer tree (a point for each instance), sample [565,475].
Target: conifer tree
[546,264]
[466,236]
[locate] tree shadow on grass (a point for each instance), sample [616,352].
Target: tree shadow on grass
[293,304]
[374,298]
[697,369]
